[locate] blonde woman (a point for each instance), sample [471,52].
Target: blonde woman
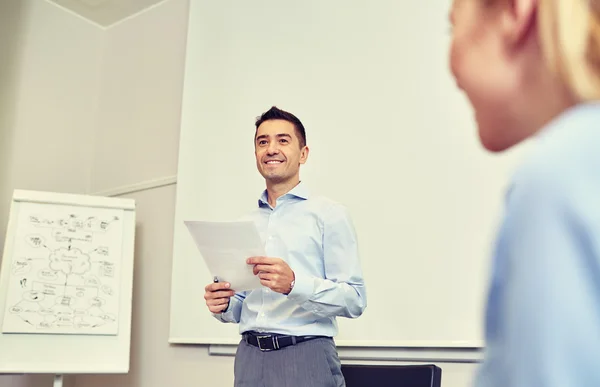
[531,70]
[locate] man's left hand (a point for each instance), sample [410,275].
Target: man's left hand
[274,273]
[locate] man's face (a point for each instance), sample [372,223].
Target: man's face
[278,151]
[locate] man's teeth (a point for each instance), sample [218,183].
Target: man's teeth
[273,162]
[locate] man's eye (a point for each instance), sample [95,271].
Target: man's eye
[283,140]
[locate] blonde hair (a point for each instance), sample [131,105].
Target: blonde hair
[570,35]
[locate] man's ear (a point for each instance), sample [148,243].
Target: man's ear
[304,154]
[518,20]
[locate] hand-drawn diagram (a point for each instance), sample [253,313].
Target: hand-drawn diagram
[65,271]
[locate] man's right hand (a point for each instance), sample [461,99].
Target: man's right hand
[217,296]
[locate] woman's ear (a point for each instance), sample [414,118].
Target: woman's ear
[518,20]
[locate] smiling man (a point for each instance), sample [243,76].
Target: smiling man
[311,276]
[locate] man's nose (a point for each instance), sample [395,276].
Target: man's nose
[273,149]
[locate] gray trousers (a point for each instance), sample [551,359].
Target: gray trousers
[313,363]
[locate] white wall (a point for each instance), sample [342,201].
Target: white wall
[87,115]
[141,84]
[49,92]
[11,17]
[48,98]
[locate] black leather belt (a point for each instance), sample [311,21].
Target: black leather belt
[272,342]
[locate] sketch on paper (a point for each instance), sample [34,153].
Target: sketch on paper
[64,277]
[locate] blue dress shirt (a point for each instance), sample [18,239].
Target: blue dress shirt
[543,311]
[316,237]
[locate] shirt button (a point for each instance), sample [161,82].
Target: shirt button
[266,290]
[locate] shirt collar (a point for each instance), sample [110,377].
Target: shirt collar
[300,191]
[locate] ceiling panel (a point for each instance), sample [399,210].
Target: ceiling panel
[106,12]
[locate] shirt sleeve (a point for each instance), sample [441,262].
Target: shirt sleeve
[549,308]
[234,310]
[342,291]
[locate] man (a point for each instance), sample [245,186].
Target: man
[311,276]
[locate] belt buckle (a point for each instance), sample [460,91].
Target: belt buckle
[274,340]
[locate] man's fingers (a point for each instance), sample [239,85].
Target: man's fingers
[217,301]
[218,294]
[262,261]
[264,276]
[264,268]
[266,283]
[214,286]
[268,277]
[217,309]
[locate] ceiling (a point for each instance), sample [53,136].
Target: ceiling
[106,12]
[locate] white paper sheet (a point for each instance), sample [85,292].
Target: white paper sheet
[225,246]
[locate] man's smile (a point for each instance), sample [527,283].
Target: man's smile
[274,162]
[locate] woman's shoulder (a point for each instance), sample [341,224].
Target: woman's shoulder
[561,172]
[566,151]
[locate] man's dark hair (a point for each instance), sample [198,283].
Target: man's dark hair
[275,113]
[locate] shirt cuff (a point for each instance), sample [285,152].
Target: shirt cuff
[302,290]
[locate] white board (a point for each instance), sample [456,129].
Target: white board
[390,137]
[66,284]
